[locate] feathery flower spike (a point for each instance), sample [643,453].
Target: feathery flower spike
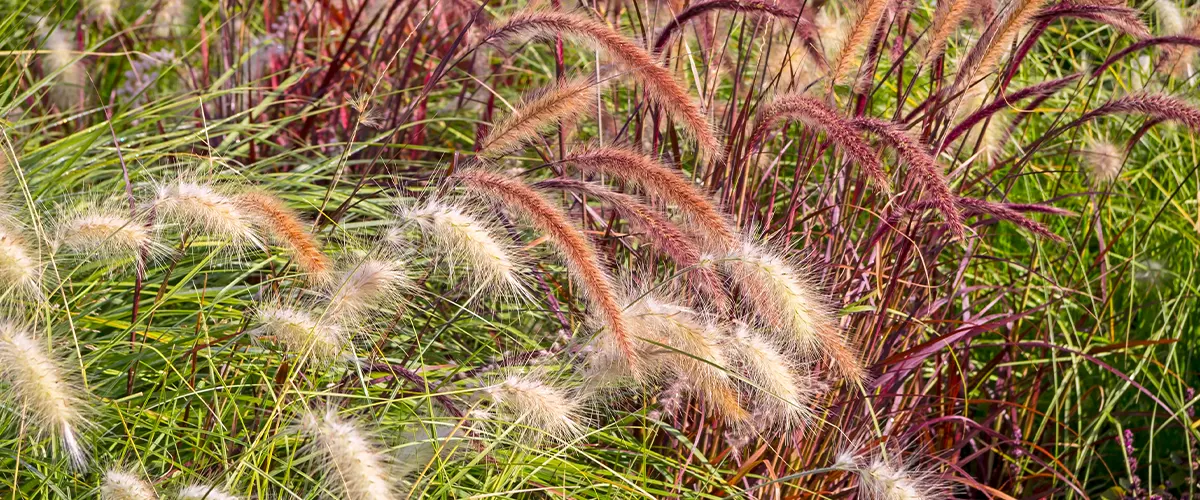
[582,260]
[351,460]
[40,390]
[122,485]
[204,207]
[559,103]
[365,285]
[465,237]
[784,300]
[203,492]
[285,226]
[660,183]
[301,333]
[528,399]
[660,84]
[20,271]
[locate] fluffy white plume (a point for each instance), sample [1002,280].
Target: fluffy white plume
[350,459]
[40,389]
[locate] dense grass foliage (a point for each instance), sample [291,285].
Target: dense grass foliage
[376,249]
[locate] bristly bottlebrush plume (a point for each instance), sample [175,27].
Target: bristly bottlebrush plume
[917,156]
[461,236]
[60,63]
[883,477]
[784,300]
[300,332]
[1170,18]
[1124,19]
[106,234]
[285,227]
[816,114]
[656,229]
[995,41]
[783,392]
[558,103]
[203,492]
[661,184]
[532,402]
[581,258]
[1011,213]
[206,208]
[20,270]
[1103,161]
[865,25]
[832,32]
[948,15]
[40,391]
[1158,106]
[693,355]
[123,485]
[1179,59]
[365,285]
[351,461]
[660,83]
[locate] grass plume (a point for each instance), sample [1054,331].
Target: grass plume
[994,43]
[784,300]
[106,234]
[205,208]
[655,228]
[20,270]
[59,62]
[946,19]
[531,401]
[865,24]
[817,115]
[693,356]
[660,83]
[39,389]
[462,236]
[698,9]
[350,459]
[275,218]
[928,174]
[582,260]
[203,492]
[560,102]
[660,183]
[365,285]
[301,333]
[123,485]
[782,392]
